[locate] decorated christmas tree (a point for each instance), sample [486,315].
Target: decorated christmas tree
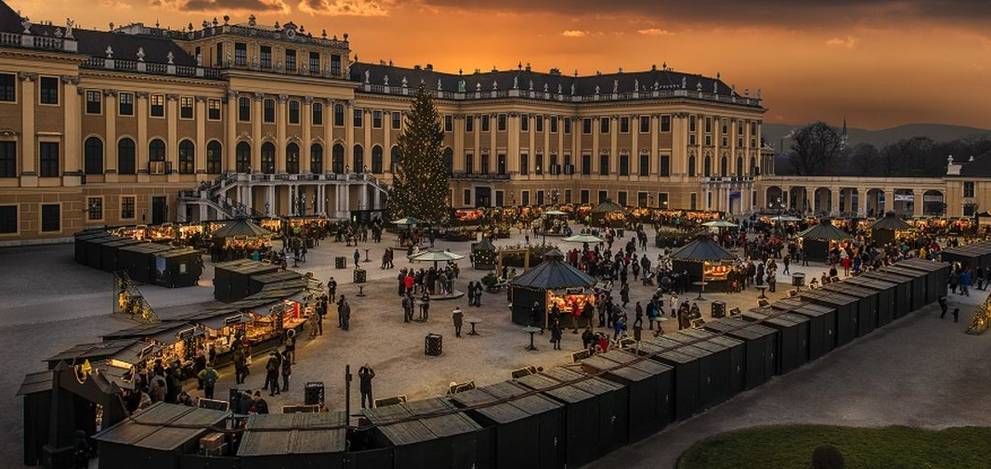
[420,186]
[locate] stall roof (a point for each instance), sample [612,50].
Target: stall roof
[164,332]
[930,266]
[541,382]
[276,277]
[402,433]
[127,350]
[607,206]
[213,319]
[587,383]
[702,249]
[824,230]
[247,267]
[242,227]
[533,404]
[484,245]
[891,222]
[436,414]
[830,296]
[635,362]
[499,413]
[625,372]
[721,341]
[147,248]
[304,433]
[740,328]
[158,427]
[179,251]
[553,274]
[119,243]
[36,382]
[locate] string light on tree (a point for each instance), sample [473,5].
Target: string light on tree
[421,183]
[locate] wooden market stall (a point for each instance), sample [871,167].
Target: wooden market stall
[707,263]
[889,229]
[552,282]
[820,239]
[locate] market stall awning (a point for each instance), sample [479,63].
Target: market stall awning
[162,426]
[555,213]
[584,238]
[286,434]
[824,231]
[242,227]
[785,218]
[607,206]
[720,224]
[408,221]
[436,255]
[702,249]
[553,274]
[484,245]
[891,222]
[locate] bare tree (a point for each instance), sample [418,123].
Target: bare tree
[815,149]
[863,160]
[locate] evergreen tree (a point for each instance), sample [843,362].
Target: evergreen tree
[420,186]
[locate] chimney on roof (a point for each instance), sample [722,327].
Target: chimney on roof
[952,168]
[430,66]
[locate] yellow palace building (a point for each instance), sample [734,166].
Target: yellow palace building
[143,125]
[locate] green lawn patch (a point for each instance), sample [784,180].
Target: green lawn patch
[791,446]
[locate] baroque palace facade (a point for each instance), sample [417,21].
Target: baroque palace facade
[142,125]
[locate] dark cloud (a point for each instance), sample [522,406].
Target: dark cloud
[218,5]
[748,12]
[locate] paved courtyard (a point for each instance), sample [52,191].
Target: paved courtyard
[919,371]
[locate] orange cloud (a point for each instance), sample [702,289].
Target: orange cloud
[654,32]
[574,33]
[849,42]
[345,7]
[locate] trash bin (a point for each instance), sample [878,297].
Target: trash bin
[359,275]
[718,309]
[433,345]
[314,393]
[340,262]
[798,279]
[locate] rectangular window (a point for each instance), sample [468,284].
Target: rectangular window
[469,123]
[662,199]
[466,200]
[186,107]
[644,124]
[94,208]
[586,165]
[524,164]
[125,104]
[376,119]
[604,125]
[502,123]
[293,111]
[664,166]
[448,123]
[583,196]
[316,113]
[8,87]
[484,166]
[641,199]
[692,140]
[213,109]
[540,198]
[567,125]
[335,64]
[538,164]
[708,140]
[268,111]
[500,198]
[49,88]
[49,159]
[524,123]
[968,188]
[603,196]
[359,117]
[624,164]
[645,164]
[157,108]
[691,124]
[568,167]
[622,198]
[501,164]
[485,123]
[94,102]
[665,123]
[553,124]
[603,165]
[127,207]
[624,125]
[708,125]
[266,57]
[240,54]
[339,115]
[8,219]
[694,201]
[397,119]
[8,159]
[51,217]
[586,126]
[567,196]
[244,109]
[969,209]
[291,60]
[218,59]
[314,63]
[538,123]
[469,163]
[525,195]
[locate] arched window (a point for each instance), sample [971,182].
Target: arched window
[338,158]
[316,158]
[242,157]
[292,158]
[449,160]
[93,149]
[739,166]
[156,150]
[125,156]
[707,166]
[268,158]
[394,158]
[187,157]
[724,166]
[376,160]
[358,159]
[214,157]
[691,165]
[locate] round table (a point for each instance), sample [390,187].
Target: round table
[473,321]
[701,286]
[762,289]
[531,330]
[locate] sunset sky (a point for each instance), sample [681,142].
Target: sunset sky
[879,63]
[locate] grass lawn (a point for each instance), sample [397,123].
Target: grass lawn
[791,446]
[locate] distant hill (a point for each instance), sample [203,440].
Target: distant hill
[774,133]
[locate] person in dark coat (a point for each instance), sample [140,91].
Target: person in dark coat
[556,334]
[286,369]
[365,375]
[272,373]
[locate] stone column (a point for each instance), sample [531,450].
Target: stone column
[110,143]
[917,203]
[200,160]
[328,136]
[304,150]
[230,130]
[270,202]
[655,160]
[889,202]
[349,134]
[28,143]
[172,139]
[861,206]
[834,193]
[613,146]
[256,132]
[72,157]
[280,133]
[634,148]
[142,144]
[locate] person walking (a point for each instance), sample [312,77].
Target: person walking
[344,310]
[209,376]
[942,306]
[407,307]
[365,375]
[556,334]
[286,369]
[357,257]
[332,289]
[290,344]
[425,305]
[272,373]
[457,316]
